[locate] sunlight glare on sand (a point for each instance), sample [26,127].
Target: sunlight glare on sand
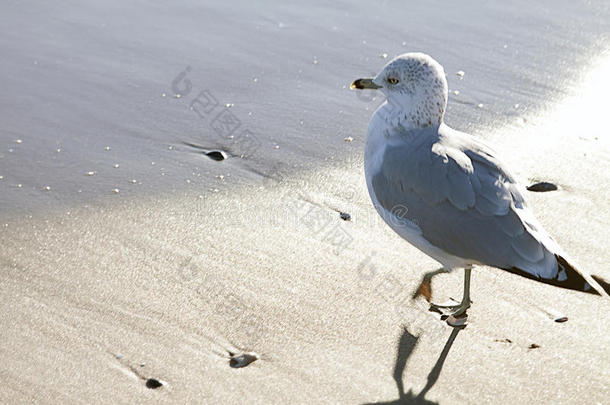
[584,114]
[580,116]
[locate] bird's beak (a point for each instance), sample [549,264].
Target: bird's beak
[364,84]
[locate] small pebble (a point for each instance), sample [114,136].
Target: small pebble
[170,147]
[542,186]
[47,188]
[315,61]
[116,165]
[480,105]
[107,148]
[177,96]
[456,92]
[384,55]
[561,319]
[116,191]
[163,95]
[217,155]
[242,359]
[345,216]
[404,43]
[18,141]
[90,173]
[229,105]
[533,346]
[134,181]
[19,185]
[255,79]
[153,383]
[58,150]
[348,139]
[276,147]
[460,73]
[1,177]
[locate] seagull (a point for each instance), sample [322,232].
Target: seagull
[447,193]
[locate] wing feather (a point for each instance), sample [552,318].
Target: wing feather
[464,200]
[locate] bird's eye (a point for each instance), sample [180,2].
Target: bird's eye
[392,80]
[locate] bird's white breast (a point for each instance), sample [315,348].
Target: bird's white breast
[378,137]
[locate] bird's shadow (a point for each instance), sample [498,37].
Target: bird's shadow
[406,345]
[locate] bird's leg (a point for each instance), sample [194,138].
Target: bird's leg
[465,304]
[425,288]
[460,309]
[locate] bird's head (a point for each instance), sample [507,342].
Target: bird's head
[414,85]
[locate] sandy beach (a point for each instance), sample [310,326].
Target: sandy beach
[135,264]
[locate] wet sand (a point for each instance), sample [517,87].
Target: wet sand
[202,259]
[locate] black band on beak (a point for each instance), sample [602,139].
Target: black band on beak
[364,84]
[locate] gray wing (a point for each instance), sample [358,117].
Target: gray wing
[465,202]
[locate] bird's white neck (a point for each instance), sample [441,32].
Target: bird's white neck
[414,113]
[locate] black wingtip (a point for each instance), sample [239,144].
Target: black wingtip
[603,283]
[574,280]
